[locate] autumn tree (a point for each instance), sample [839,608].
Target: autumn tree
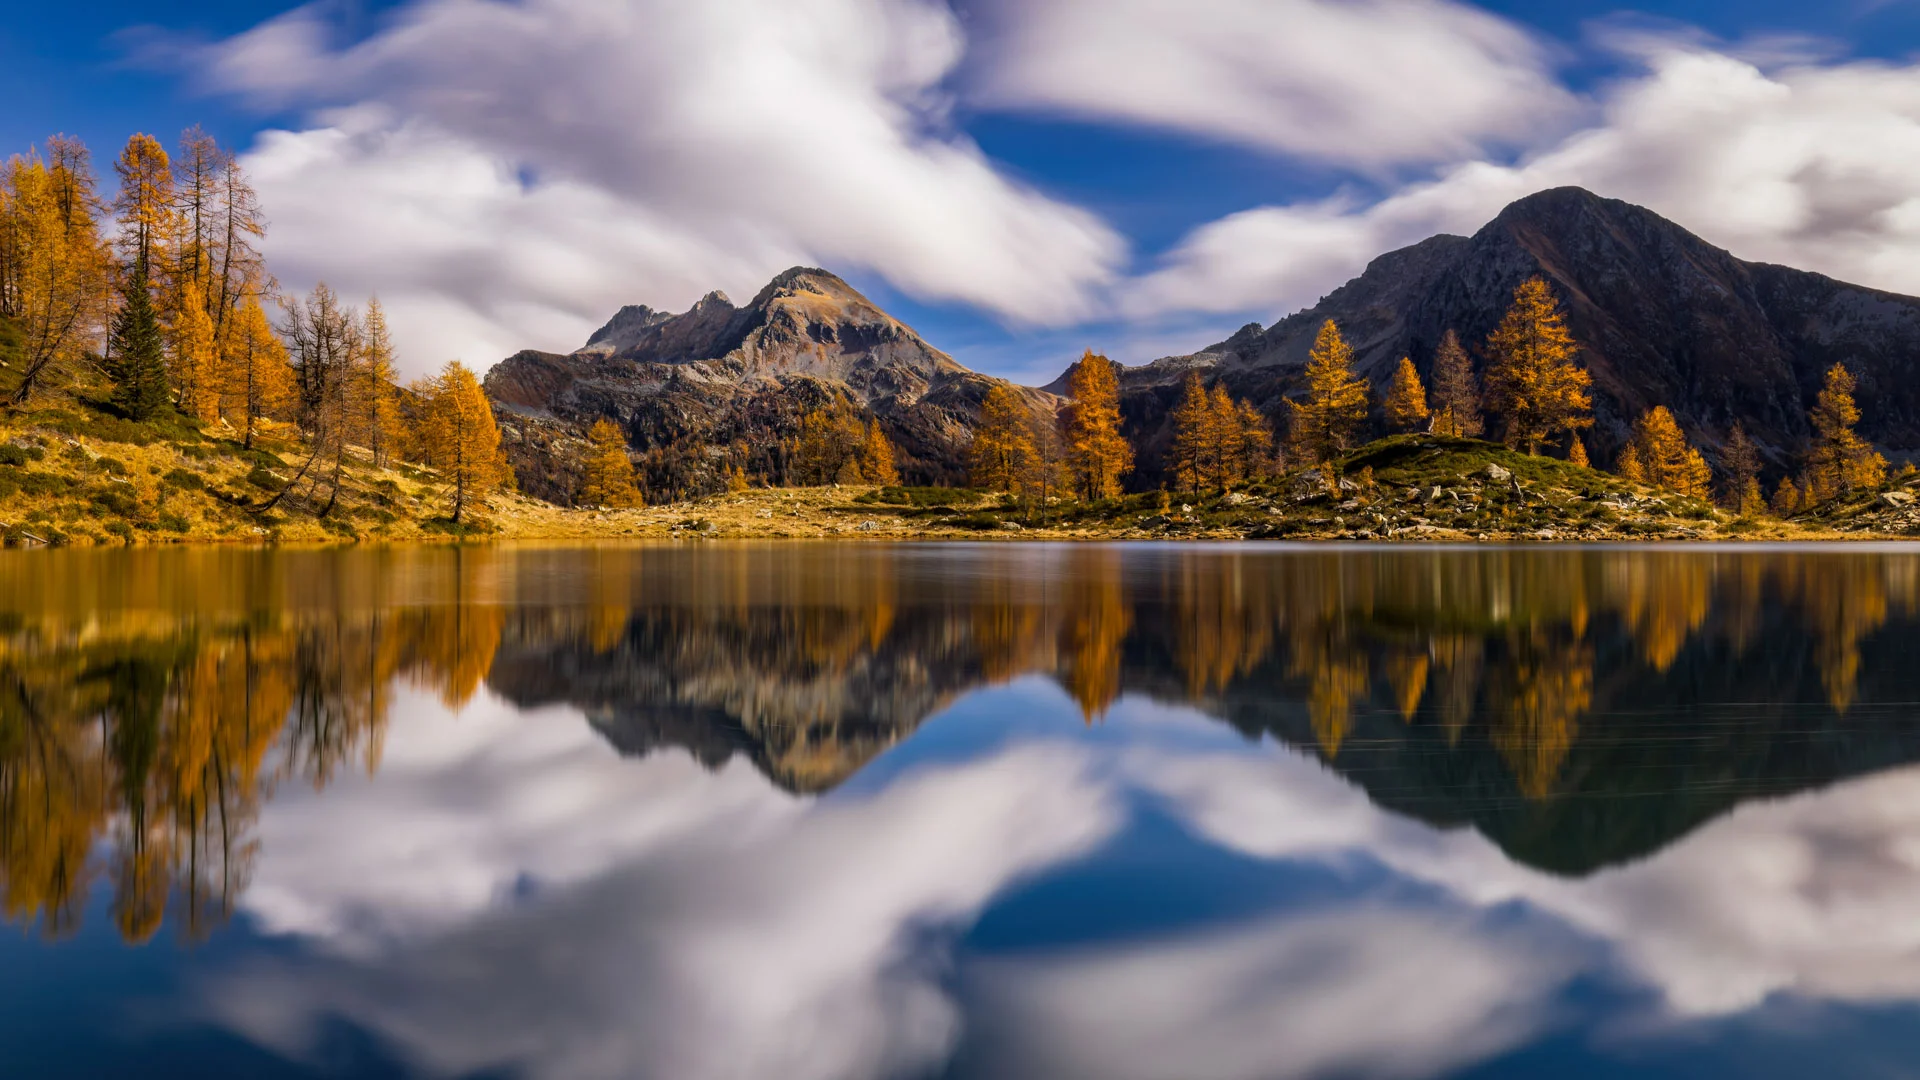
[323,339]
[1629,466]
[464,439]
[138,351]
[1840,460]
[1097,454]
[1406,404]
[829,446]
[1664,457]
[372,399]
[1197,437]
[256,379]
[191,356]
[1255,441]
[54,267]
[1336,406]
[144,206]
[1003,451]
[1577,452]
[1740,461]
[1456,391]
[1539,389]
[877,457]
[608,479]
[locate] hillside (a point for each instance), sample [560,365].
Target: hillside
[1662,317]
[719,385]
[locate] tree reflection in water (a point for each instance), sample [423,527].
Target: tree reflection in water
[152,701]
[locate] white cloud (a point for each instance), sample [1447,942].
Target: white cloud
[1373,992]
[1359,82]
[685,925]
[1804,896]
[1807,165]
[507,173]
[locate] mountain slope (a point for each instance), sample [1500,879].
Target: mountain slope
[688,387]
[1662,317]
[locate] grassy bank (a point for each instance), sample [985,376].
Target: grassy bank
[77,474]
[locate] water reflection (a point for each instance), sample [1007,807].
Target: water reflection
[1580,708]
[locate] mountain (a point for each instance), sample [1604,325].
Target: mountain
[686,387]
[1662,318]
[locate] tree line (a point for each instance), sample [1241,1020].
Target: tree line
[1532,382]
[159,300]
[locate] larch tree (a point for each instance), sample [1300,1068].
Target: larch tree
[144,206]
[139,361]
[1406,404]
[1336,406]
[1003,453]
[1097,454]
[1577,452]
[1195,436]
[608,479]
[1628,466]
[1539,389]
[256,377]
[828,448]
[876,457]
[192,358]
[1456,391]
[1665,458]
[240,270]
[1256,441]
[465,440]
[1223,428]
[54,267]
[1840,461]
[372,393]
[1740,461]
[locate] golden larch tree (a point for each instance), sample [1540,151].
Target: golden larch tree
[1224,428]
[1539,389]
[1665,458]
[1840,461]
[1456,391]
[876,459]
[191,359]
[1097,453]
[608,472]
[256,378]
[1629,466]
[1256,441]
[372,391]
[144,205]
[1577,453]
[1406,404]
[54,268]
[1003,451]
[828,448]
[1194,436]
[1336,406]
[464,440]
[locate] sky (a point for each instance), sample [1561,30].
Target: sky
[1017,179]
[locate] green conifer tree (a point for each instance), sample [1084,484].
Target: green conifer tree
[139,359]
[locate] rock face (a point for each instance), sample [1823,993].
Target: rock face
[1662,317]
[688,387]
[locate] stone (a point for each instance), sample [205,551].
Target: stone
[1498,475]
[1896,499]
[1237,498]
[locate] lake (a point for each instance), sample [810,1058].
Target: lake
[864,812]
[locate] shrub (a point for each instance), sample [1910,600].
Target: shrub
[263,478]
[14,455]
[184,479]
[174,523]
[111,466]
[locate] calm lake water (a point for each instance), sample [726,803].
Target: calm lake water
[995,811]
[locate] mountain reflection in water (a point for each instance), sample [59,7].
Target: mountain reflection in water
[1580,709]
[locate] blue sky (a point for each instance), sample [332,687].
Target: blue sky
[1019,179]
